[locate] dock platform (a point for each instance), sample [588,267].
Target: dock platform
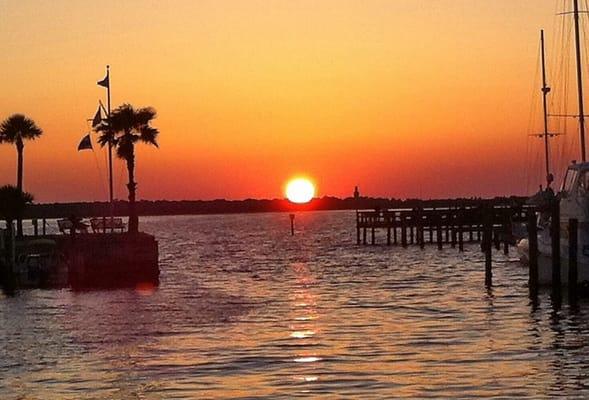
[438,225]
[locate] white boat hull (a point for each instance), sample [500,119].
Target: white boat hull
[545,261]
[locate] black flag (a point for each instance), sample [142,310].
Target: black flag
[97,118]
[105,82]
[85,143]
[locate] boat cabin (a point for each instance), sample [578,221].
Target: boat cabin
[574,193]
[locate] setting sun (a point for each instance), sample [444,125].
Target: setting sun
[300,190]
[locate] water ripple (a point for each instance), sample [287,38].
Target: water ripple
[246,311]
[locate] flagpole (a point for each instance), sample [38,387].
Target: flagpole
[110,177]
[110,182]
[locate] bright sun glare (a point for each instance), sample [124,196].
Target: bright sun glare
[300,190]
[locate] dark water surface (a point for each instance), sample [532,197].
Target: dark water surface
[244,310]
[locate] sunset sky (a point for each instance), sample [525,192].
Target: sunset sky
[405,98]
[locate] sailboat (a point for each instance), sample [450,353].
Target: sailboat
[573,195]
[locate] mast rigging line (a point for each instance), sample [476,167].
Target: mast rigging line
[566,115]
[579,80]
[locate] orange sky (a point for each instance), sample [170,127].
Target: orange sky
[405,98]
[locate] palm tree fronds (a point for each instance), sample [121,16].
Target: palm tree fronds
[149,135]
[19,127]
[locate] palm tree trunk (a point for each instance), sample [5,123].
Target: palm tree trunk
[19,180]
[132,186]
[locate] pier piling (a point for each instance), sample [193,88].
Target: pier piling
[411,235]
[573,258]
[506,237]
[439,234]
[403,232]
[496,239]
[555,235]
[533,253]
[453,234]
[487,246]
[395,241]
[357,227]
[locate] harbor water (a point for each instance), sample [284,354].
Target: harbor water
[245,310]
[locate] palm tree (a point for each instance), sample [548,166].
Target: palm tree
[13,202]
[123,128]
[16,129]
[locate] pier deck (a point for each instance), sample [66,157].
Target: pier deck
[451,224]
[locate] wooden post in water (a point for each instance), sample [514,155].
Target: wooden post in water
[403,232]
[460,237]
[454,237]
[411,233]
[487,246]
[533,252]
[506,236]
[431,227]
[35,227]
[388,235]
[439,232]
[555,234]
[421,233]
[573,258]
[44,226]
[357,227]
[292,217]
[395,241]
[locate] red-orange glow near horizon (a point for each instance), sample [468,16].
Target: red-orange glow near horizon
[405,98]
[300,190]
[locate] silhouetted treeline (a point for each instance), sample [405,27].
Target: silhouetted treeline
[187,207]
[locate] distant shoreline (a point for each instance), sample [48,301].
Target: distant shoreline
[203,207]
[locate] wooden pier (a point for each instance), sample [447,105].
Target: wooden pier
[489,224]
[451,225]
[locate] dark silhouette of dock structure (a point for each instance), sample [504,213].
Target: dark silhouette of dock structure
[488,222]
[450,224]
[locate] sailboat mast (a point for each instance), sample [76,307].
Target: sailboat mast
[545,91]
[579,79]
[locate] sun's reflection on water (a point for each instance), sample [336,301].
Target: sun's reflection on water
[307,359]
[302,334]
[306,327]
